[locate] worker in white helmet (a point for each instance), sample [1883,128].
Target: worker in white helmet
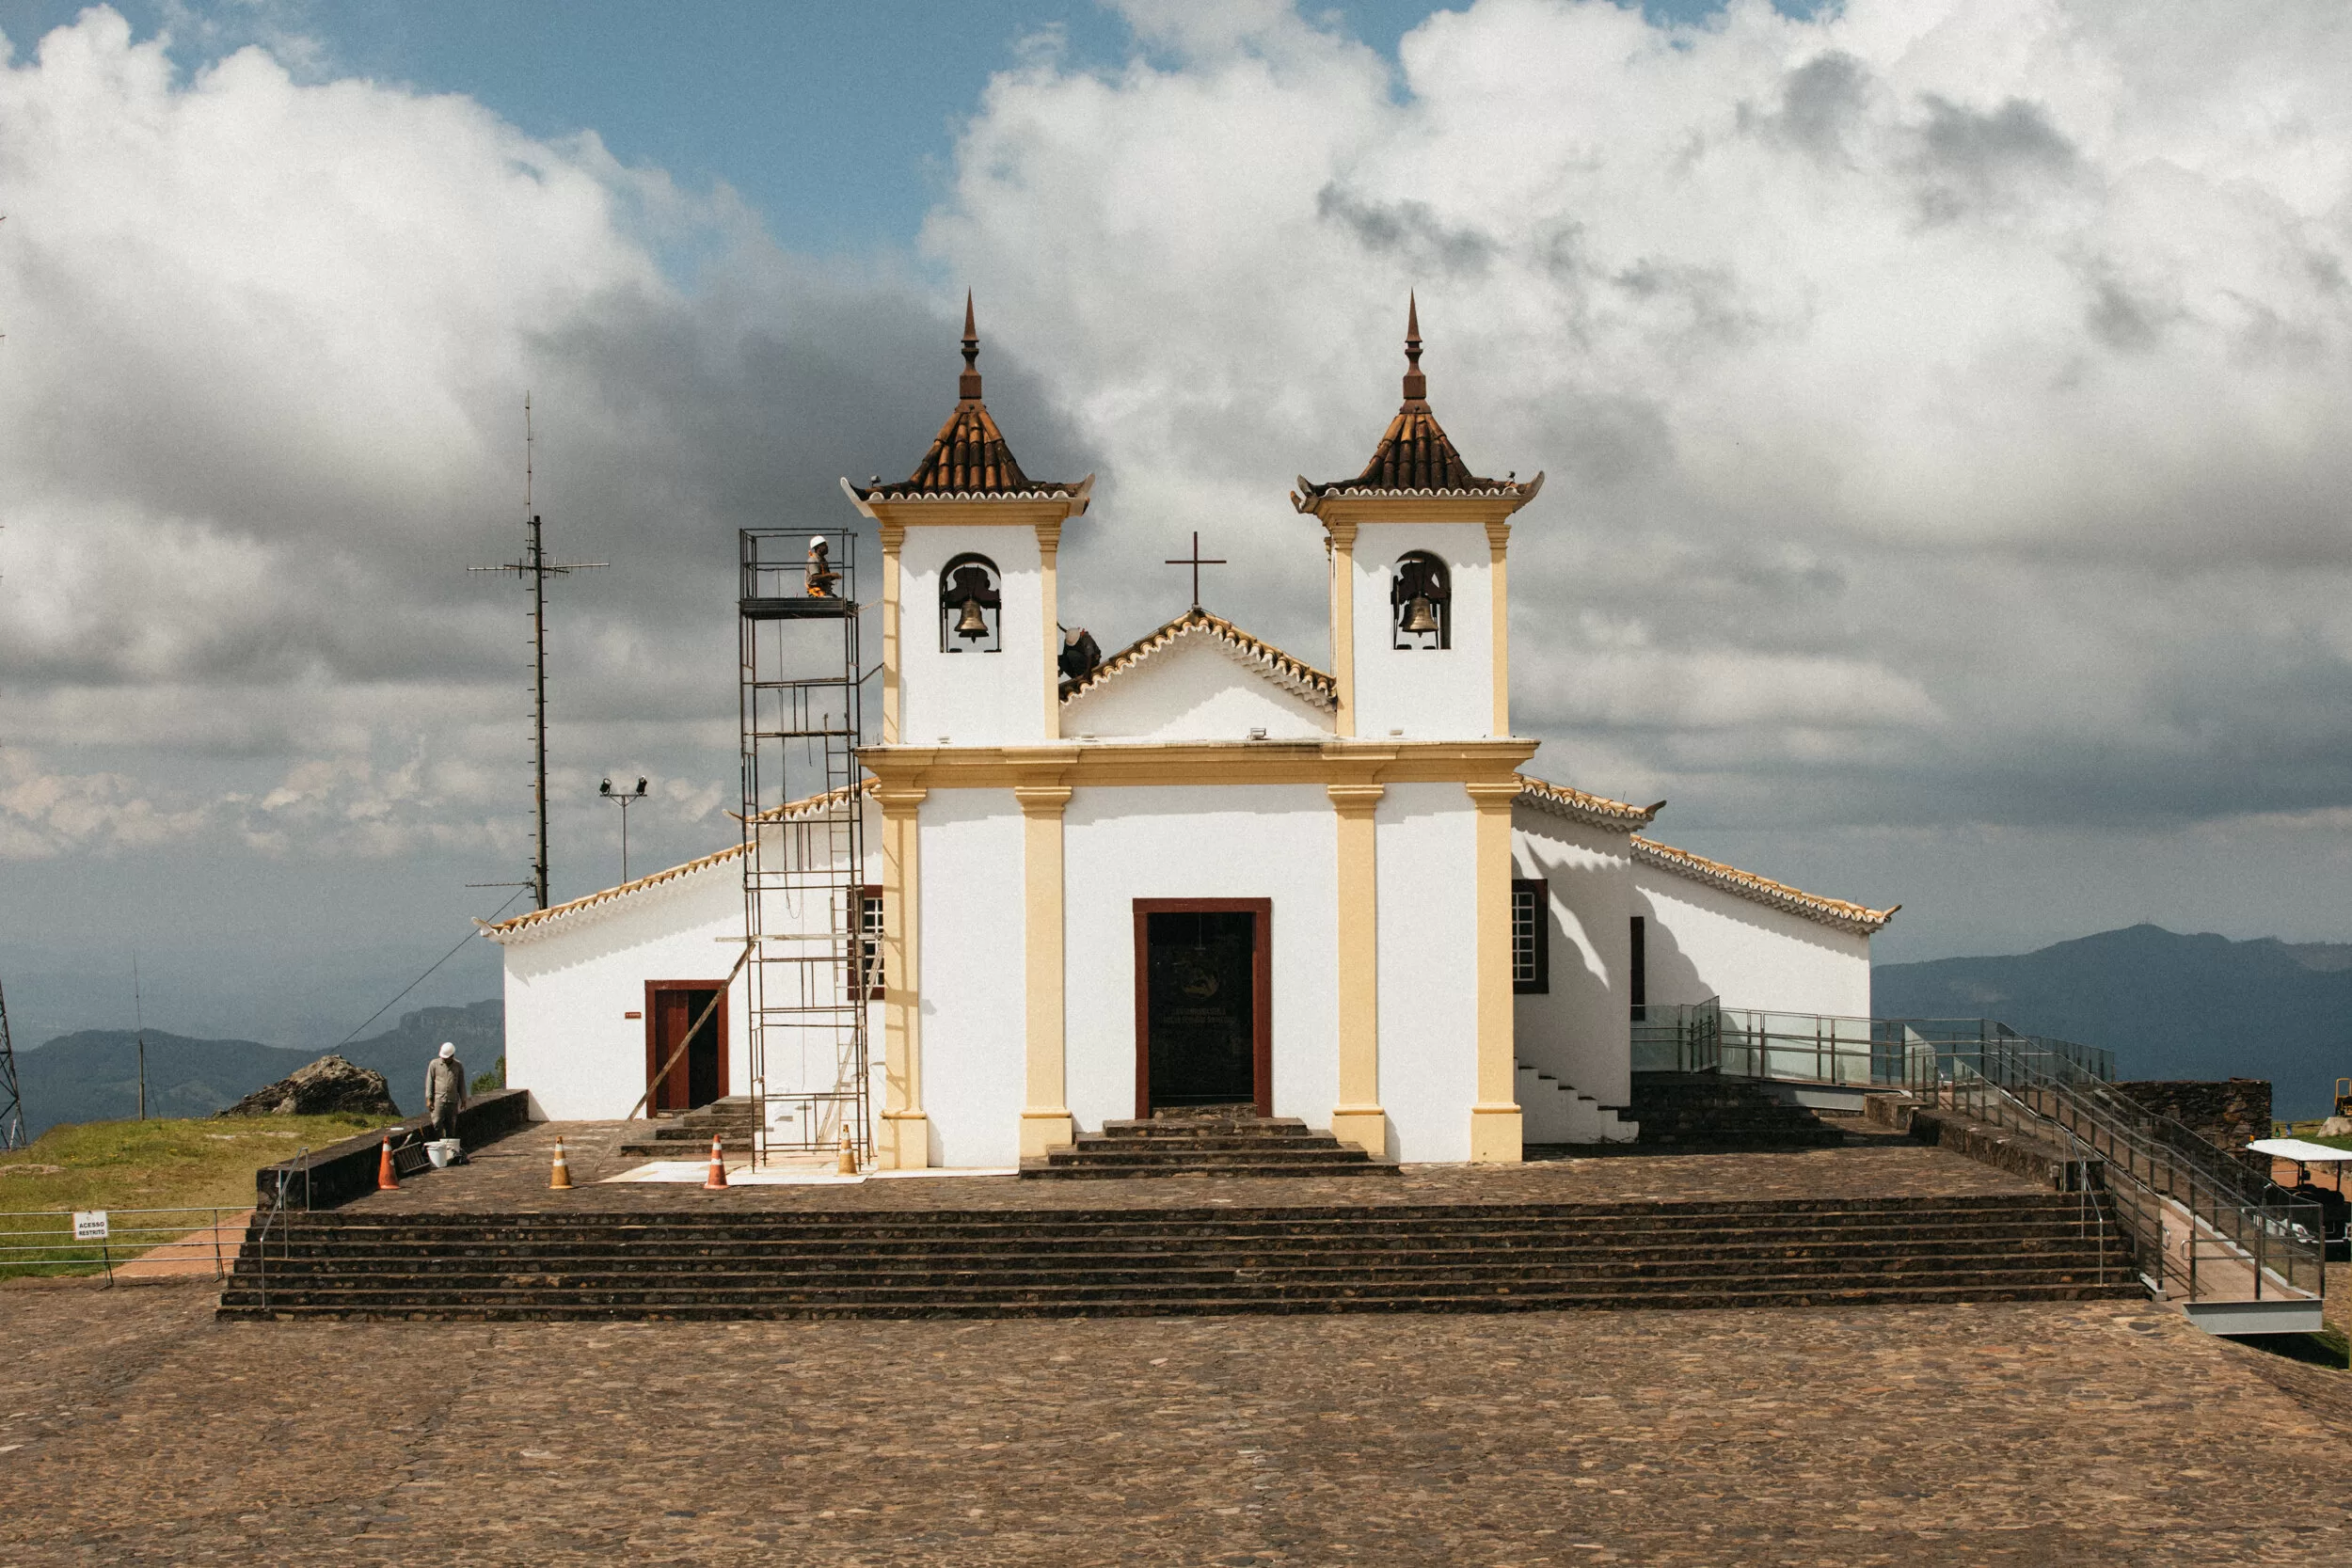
[822,579]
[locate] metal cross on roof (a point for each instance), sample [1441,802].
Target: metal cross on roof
[1196,561]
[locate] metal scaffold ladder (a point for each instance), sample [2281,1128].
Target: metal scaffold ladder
[806,908]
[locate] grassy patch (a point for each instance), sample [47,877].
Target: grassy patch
[160,1165]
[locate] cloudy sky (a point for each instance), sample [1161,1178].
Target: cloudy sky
[1945,403]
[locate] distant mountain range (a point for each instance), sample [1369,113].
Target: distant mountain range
[2168,1005]
[93,1075]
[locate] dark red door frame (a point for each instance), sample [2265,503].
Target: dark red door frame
[1260,991]
[655,1098]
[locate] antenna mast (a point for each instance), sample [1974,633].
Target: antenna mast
[12,1100]
[538,569]
[138,1016]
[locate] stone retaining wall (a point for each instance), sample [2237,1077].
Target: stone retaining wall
[340,1172]
[2228,1113]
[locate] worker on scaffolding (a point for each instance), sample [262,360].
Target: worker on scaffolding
[823,581]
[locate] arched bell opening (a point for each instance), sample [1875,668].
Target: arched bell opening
[970,606]
[1420,602]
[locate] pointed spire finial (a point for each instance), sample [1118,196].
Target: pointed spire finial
[1416,385]
[970,386]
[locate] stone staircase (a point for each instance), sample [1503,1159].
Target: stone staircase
[1551,1112]
[1702,1110]
[1206,1145]
[1019,1263]
[687,1134]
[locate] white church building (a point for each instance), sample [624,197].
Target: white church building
[1202,872]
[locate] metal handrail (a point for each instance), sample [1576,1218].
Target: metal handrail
[278,1209]
[1820,1048]
[2230,1215]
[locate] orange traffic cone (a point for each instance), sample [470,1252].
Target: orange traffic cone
[718,1177]
[387,1178]
[847,1164]
[560,1178]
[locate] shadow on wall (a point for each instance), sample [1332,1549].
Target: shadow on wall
[1675,976]
[1669,975]
[1577,886]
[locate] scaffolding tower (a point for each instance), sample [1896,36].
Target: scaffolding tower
[807,916]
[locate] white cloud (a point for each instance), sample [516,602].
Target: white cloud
[268,338]
[1944,405]
[1965,378]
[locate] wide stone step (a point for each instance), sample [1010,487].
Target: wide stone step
[1630,1281]
[1237,1274]
[1986,1238]
[1043,1252]
[1811,1293]
[1066,1238]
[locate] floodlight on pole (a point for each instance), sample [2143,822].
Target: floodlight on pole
[623,799]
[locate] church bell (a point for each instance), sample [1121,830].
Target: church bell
[1418,615]
[971,623]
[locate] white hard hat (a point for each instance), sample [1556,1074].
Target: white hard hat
[449,1049]
[816,541]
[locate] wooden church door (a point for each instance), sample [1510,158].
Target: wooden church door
[1203,1003]
[698,1075]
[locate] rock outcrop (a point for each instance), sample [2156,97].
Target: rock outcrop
[326,1087]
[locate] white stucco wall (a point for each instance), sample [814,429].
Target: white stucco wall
[570,986]
[975,1029]
[1426,845]
[1703,941]
[1579,1030]
[972,699]
[1428,694]
[1192,690]
[1253,841]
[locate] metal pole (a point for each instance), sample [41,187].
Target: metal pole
[539,699]
[139,1015]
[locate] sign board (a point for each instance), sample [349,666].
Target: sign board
[90,1225]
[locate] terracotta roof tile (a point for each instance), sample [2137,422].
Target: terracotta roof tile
[1857,918]
[1594,811]
[522,923]
[1294,674]
[968,456]
[532,918]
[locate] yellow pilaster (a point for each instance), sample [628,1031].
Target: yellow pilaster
[1048,547]
[1045,1121]
[1498,547]
[1358,1118]
[905,1143]
[1343,621]
[893,536]
[1495,1118]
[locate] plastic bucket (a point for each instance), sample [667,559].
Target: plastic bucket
[441,1151]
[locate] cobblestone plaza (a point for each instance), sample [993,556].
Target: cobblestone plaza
[135,1428]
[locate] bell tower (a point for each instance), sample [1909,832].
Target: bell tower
[1420,607]
[969,542]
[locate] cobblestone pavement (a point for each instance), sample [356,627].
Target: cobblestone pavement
[511,1177]
[134,1429]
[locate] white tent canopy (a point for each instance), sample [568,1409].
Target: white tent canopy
[2296,1148]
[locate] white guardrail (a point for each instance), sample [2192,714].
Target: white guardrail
[126,1243]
